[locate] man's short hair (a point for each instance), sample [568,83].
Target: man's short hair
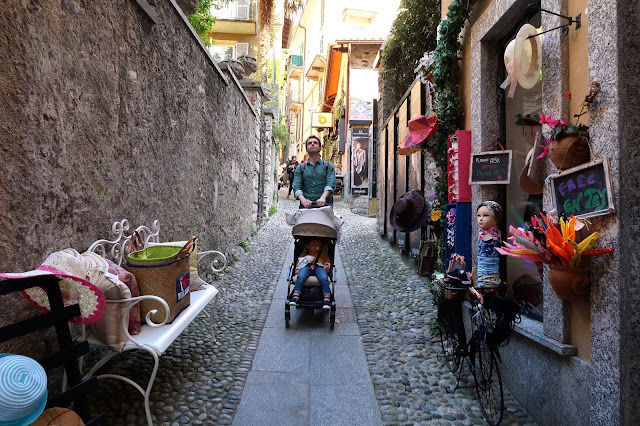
[313,137]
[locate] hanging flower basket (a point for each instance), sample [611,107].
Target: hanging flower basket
[569,283]
[569,149]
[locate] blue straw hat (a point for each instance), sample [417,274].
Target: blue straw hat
[23,390]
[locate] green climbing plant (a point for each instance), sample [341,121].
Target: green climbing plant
[448,106]
[202,20]
[413,33]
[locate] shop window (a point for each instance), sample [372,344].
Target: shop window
[520,126]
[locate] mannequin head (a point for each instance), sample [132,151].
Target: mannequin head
[489,214]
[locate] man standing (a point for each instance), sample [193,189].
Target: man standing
[315,179]
[291,168]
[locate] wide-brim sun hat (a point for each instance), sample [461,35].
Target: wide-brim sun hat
[420,128]
[527,56]
[523,60]
[68,266]
[23,390]
[409,212]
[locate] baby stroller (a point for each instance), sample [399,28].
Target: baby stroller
[317,224]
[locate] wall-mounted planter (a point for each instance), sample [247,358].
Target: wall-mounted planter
[569,283]
[570,149]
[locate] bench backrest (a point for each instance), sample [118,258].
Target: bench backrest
[117,247]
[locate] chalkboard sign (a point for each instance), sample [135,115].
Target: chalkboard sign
[583,191]
[493,167]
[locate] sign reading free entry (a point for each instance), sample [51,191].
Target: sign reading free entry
[583,191]
[493,167]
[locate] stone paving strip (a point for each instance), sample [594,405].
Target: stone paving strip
[200,382]
[394,311]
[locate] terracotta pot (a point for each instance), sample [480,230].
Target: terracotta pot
[570,149]
[569,283]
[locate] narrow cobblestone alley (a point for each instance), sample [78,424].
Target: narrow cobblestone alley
[201,381]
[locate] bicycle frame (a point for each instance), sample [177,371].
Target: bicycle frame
[481,357]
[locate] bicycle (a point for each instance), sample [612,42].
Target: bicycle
[481,352]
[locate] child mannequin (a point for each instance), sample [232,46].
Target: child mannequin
[313,255]
[489,214]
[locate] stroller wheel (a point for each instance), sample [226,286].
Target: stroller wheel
[287,313]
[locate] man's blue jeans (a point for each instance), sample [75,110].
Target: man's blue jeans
[321,274]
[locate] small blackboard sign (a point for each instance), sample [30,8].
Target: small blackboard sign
[493,167]
[583,191]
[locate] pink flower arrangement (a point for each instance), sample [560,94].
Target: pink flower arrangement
[557,127]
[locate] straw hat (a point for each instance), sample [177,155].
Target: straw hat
[527,56]
[409,212]
[523,60]
[69,267]
[23,390]
[420,128]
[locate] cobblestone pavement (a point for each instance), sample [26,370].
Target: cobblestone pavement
[200,381]
[394,311]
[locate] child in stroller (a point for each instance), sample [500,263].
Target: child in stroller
[313,261]
[315,235]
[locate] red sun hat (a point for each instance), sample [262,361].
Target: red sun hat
[420,128]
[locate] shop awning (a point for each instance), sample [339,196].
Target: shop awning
[333,77]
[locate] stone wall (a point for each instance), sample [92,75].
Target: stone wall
[111,112]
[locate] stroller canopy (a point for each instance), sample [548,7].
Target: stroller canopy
[315,223]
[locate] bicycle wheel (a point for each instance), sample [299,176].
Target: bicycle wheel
[451,334]
[488,382]
[450,348]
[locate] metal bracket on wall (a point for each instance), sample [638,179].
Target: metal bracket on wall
[565,27]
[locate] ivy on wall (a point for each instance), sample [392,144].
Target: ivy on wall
[448,106]
[413,32]
[202,20]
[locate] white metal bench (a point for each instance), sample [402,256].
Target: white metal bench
[153,338]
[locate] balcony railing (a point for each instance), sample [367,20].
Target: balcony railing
[236,10]
[294,66]
[294,99]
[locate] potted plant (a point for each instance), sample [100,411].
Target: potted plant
[567,144]
[545,243]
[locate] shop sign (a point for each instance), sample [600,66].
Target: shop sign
[583,191]
[490,168]
[321,119]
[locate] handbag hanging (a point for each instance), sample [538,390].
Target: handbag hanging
[428,256]
[162,271]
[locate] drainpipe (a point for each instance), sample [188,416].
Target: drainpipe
[304,64]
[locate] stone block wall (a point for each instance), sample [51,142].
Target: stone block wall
[110,112]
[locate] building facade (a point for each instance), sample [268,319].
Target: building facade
[577,365]
[235,31]
[332,85]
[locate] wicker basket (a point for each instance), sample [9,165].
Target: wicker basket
[162,271]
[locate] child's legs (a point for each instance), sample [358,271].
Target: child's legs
[323,277]
[303,274]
